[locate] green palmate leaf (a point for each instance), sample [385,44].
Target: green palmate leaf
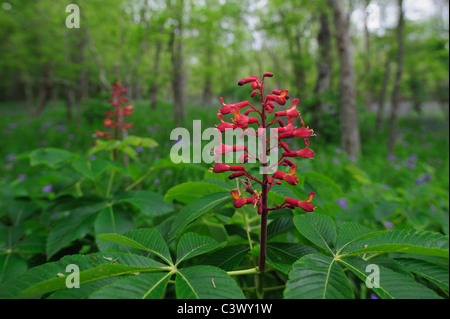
[76,226]
[188,192]
[407,241]
[206,282]
[142,286]
[316,276]
[324,183]
[111,220]
[227,258]
[319,229]
[52,157]
[391,285]
[282,255]
[139,141]
[90,168]
[148,203]
[436,274]
[280,225]
[192,244]
[195,209]
[11,266]
[348,232]
[148,239]
[101,145]
[52,276]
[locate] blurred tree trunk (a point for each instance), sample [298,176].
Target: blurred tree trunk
[208,93]
[324,67]
[398,78]
[350,136]
[368,91]
[28,90]
[155,84]
[383,93]
[46,91]
[176,47]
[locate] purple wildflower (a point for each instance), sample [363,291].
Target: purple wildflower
[139,149]
[373,296]
[342,202]
[335,160]
[60,128]
[338,150]
[352,158]
[92,157]
[426,177]
[419,181]
[391,158]
[10,157]
[388,225]
[21,177]
[12,126]
[47,189]
[70,137]
[157,181]
[413,158]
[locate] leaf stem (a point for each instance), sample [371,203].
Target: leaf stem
[140,179]
[250,271]
[110,183]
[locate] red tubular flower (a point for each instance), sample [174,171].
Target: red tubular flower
[222,167]
[303,132]
[236,174]
[305,153]
[253,78]
[306,205]
[292,112]
[225,126]
[102,134]
[108,122]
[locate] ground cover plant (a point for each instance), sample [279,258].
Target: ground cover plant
[322,191]
[205,239]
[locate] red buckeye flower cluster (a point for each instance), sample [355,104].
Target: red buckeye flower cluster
[282,122]
[116,118]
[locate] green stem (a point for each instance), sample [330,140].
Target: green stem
[140,179]
[113,219]
[250,271]
[110,183]
[247,228]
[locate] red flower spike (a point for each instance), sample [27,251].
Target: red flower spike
[242,120]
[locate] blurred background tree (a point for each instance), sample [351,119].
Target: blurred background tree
[342,58]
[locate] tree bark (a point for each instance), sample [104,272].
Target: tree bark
[382,96]
[46,91]
[368,91]
[155,85]
[323,69]
[398,78]
[350,135]
[177,56]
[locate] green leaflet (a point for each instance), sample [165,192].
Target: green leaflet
[316,276]
[201,282]
[392,285]
[319,229]
[192,244]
